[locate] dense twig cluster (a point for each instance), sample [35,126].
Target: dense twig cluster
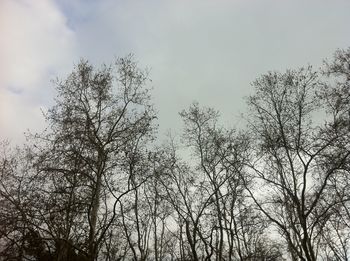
[93,187]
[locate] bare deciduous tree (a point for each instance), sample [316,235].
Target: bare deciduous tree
[296,159]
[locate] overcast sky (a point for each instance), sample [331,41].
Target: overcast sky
[204,50]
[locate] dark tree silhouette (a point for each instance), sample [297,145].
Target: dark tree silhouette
[94,186]
[297,160]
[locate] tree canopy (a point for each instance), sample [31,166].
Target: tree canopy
[96,186]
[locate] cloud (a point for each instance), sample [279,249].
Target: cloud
[35,45]
[17,115]
[201,50]
[211,51]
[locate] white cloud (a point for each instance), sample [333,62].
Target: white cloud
[36,44]
[201,50]
[17,115]
[211,51]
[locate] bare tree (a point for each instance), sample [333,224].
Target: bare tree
[98,113]
[206,191]
[92,187]
[292,162]
[335,96]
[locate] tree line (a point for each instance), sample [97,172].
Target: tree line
[97,184]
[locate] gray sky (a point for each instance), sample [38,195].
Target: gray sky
[204,50]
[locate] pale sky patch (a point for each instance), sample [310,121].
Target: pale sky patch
[35,45]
